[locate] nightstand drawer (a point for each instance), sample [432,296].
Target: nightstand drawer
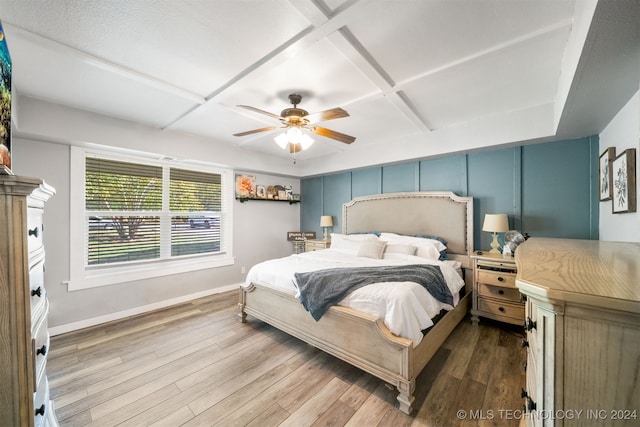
[500,292]
[316,245]
[501,309]
[497,278]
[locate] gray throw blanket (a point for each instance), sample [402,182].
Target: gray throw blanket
[323,288]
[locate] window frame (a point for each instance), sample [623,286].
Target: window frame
[85,277]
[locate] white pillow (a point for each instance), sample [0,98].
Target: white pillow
[400,249]
[428,252]
[346,246]
[371,249]
[353,237]
[388,236]
[397,239]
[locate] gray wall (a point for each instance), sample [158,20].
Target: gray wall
[548,190]
[259,233]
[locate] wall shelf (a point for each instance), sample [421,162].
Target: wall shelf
[245,199]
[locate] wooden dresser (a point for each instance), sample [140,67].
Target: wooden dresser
[24,336]
[582,332]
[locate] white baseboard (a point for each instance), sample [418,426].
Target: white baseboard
[81,324]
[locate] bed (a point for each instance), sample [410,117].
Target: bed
[362,339]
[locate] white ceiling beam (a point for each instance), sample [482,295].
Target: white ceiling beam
[559,26]
[349,45]
[290,48]
[103,64]
[344,40]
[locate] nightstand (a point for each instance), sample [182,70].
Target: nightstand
[495,295]
[316,244]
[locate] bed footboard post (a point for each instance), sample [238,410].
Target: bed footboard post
[406,398]
[242,316]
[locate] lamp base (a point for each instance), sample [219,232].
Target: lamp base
[495,244]
[326,233]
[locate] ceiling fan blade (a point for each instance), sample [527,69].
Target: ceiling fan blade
[323,116]
[257,110]
[249,132]
[347,139]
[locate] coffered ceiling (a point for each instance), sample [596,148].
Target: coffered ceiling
[418,78]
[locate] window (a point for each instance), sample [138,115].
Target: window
[144,218]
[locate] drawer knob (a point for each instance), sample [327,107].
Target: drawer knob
[501,309]
[40,410]
[529,324]
[531,405]
[525,343]
[42,350]
[501,292]
[33,232]
[37,292]
[500,279]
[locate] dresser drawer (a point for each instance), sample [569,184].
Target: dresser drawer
[500,292]
[532,334]
[40,345]
[34,228]
[41,403]
[36,288]
[501,309]
[531,386]
[497,278]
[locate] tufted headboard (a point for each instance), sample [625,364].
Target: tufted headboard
[433,213]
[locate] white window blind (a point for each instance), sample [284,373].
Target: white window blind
[136,212]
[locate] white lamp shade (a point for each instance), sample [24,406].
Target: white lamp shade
[496,223]
[282,140]
[293,136]
[306,141]
[326,221]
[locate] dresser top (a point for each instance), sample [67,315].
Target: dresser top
[592,272]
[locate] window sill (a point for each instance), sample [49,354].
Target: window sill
[119,275]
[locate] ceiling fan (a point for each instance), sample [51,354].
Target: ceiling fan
[295,119]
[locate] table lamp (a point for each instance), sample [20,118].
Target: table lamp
[326,221]
[495,223]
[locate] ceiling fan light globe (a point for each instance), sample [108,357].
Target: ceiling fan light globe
[282,141]
[294,135]
[306,141]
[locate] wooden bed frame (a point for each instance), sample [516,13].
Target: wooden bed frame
[362,339]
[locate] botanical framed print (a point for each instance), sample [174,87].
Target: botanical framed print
[245,186]
[624,182]
[605,176]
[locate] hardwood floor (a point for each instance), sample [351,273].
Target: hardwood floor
[194,364]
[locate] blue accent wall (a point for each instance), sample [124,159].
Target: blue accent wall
[548,189]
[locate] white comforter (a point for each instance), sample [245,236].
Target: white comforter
[406,307]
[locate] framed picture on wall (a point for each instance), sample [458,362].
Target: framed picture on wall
[605,176]
[5,106]
[624,182]
[245,187]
